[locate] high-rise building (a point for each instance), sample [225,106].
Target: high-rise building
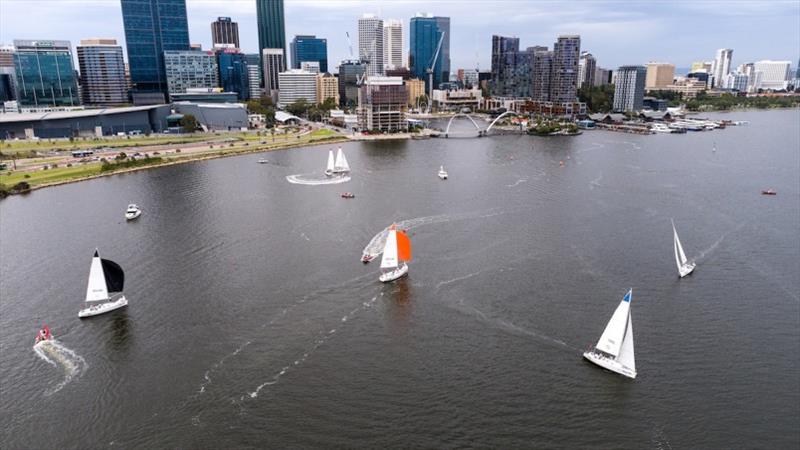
[504,62]
[382,104]
[541,74]
[629,88]
[721,66]
[190,69]
[271,32]
[102,70]
[273,60]
[151,28]
[295,85]
[351,75]
[309,48]
[224,31]
[310,66]
[426,31]
[233,73]
[586,69]
[774,74]
[393,44]
[44,74]
[8,76]
[659,75]
[564,78]
[736,81]
[602,76]
[701,66]
[416,89]
[370,43]
[327,87]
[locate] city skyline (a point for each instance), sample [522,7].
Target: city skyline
[693,31]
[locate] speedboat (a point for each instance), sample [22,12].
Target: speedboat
[661,128]
[44,334]
[132,212]
[442,173]
[348,195]
[366,257]
[769,192]
[263,161]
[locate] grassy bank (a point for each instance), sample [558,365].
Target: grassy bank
[60,175]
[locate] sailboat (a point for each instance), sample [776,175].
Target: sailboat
[329,166]
[341,165]
[105,279]
[395,254]
[614,350]
[685,267]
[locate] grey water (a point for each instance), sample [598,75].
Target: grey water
[252,322]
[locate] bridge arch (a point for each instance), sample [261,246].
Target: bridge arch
[447,131]
[507,113]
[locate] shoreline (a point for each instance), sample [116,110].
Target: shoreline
[185,160]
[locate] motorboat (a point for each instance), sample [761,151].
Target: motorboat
[442,173]
[132,212]
[769,192]
[366,257]
[104,291]
[263,161]
[348,195]
[661,128]
[44,334]
[614,350]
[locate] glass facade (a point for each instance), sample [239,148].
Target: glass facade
[271,25]
[191,70]
[350,73]
[233,74]
[425,33]
[309,48]
[152,27]
[45,75]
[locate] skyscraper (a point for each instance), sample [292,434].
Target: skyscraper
[151,28]
[586,69]
[45,75]
[659,75]
[273,60]
[190,69]
[253,61]
[721,65]
[629,88]
[102,72]
[309,48]
[351,73]
[224,31]
[370,43]
[564,78]
[233,74]
[425,33]
[7,74]
[504,55]
[271,29]
[393,44]
[541,74]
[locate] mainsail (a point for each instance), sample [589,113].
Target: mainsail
[97,289]
[329,166]
[680,256]
[341,162]
[389,260]
[626,353]
[615,333]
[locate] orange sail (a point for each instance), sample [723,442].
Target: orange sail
[403,247]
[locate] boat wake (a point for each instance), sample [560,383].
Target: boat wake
[70,363]
[312,180]
[375,246]
[521,180]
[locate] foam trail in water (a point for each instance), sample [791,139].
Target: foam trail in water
[309,180]
[59,356]
[521,180]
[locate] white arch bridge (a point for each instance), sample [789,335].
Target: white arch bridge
[481,132]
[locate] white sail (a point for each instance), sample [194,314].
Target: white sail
[611,340]
[96,290]
[389,260]
[680,256]
[341,162]
[626,353]
[329,167]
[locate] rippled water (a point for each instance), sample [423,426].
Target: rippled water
[252,321]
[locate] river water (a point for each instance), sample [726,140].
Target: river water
[252,322]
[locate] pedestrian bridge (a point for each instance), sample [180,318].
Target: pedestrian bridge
[479,132]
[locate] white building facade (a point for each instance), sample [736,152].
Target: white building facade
[296,84]
[721,66]
[393,44]
[774,74]
[370,43]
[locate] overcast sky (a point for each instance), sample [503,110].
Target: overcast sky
[616,32]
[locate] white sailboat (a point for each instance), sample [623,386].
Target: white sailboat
[685,267]
[105,279]
[614,350]
[329,166]
[442,173]
[395,254]
[341,165]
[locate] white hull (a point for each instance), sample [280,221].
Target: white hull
[394,274]
[686,268]
[133,215]
[443,175]
[610,364]
[102,308]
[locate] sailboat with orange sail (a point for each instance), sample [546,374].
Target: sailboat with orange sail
[396,253]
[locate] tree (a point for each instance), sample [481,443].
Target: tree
[299,107]
[189,123]
[328,104]
[597,98]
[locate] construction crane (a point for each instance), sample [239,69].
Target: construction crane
[359,80]
[430,72]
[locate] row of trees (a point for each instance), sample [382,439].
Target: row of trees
[597,98]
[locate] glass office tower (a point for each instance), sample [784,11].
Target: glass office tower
[309,48]
[45,75]
[425,32]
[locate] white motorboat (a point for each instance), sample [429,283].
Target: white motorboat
[614,350]
[341,165]
[442,173]
[132,212]
[329,166]
[263,161]
[104,291]
[661,128]
[685,267]
[395,254]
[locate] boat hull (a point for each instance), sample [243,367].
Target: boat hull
[443,176]
[394,274]
[103,308]
[132,216]
[686,269]
[610,364]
